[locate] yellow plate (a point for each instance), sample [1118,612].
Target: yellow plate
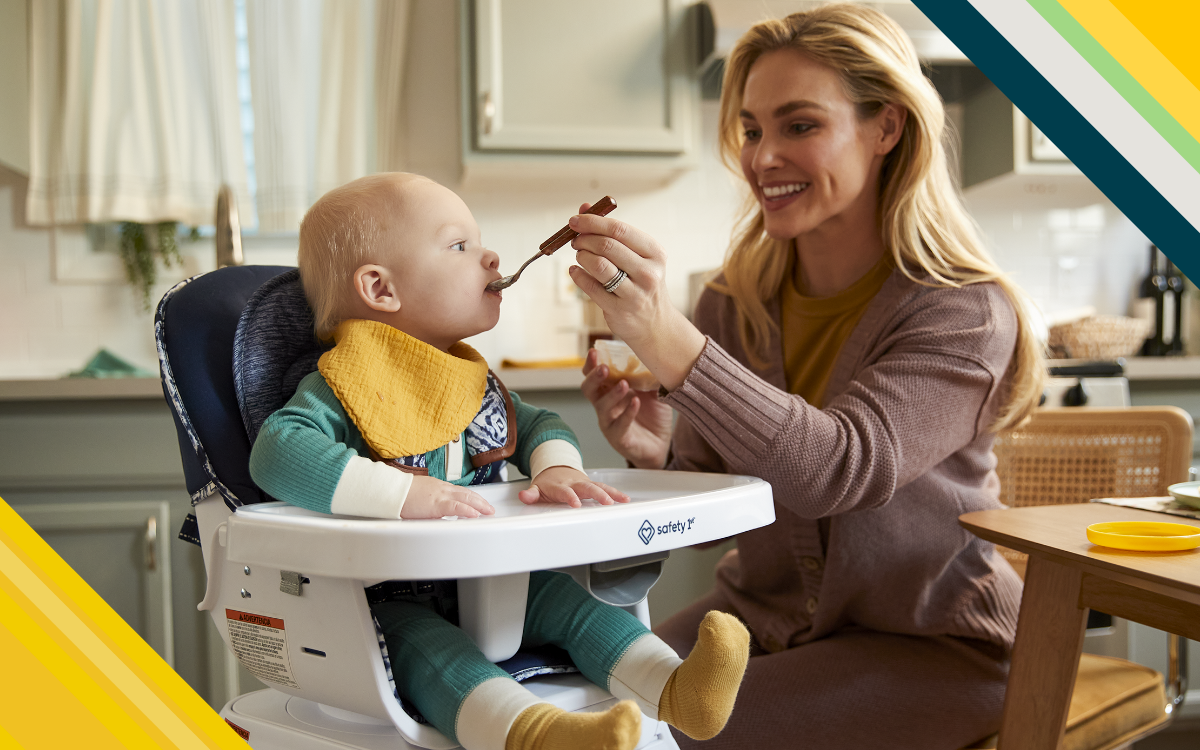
[1151,536]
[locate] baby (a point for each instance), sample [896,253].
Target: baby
[402,417]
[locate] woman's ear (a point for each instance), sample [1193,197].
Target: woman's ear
[890,119]
[376,287]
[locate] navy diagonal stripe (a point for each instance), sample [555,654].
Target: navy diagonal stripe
[1069,130]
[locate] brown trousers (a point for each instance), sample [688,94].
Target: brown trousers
[856,690]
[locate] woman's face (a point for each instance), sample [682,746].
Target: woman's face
[807,155]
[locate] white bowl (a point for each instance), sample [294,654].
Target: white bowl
[1187,493]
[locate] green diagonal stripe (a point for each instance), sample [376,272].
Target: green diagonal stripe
[1120,79]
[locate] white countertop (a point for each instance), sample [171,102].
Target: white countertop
[77,389]
[1162,368]
[518,379]
[68,389]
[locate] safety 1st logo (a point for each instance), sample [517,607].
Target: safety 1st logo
[647,530]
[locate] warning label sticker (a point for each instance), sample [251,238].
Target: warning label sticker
[245,735]
[260,644]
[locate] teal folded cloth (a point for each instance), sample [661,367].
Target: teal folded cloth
[108,365]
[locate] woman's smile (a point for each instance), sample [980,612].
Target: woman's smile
[775,196]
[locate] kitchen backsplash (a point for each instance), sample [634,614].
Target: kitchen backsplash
[1067,258]
[61,306]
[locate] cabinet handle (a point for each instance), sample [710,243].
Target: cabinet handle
[151,543]
[489,112]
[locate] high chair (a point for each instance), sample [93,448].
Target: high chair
[286,585]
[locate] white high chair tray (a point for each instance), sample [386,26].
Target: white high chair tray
[667,510]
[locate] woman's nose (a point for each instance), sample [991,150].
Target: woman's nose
[766,155]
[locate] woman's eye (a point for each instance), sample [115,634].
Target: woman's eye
[459,246]
[799,127]
[751,134]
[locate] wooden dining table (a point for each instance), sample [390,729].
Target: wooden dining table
[1067,575]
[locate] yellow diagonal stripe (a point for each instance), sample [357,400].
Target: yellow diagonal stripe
[108,662]
[52,688]
[109,627]
[73,592]
[1145,62]
[1171,26]
[9,741]
[102,645]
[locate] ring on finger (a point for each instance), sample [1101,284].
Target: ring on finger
[611,285]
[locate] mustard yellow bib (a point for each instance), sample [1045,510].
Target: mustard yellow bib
[405,396]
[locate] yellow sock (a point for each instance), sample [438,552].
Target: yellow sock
[699,696]
[547,727]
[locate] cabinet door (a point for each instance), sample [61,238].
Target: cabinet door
[120,550]
[581,77]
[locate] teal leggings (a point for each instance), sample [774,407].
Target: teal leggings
[436,665]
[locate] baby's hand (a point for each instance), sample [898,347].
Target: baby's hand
[562,484]
[433,498]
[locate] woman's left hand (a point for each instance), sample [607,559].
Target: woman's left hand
[638,310]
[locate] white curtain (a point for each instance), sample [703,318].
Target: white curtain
[284,38]
[391,23]
[325,77]
[134,111]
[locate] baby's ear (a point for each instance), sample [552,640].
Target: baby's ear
[376,287]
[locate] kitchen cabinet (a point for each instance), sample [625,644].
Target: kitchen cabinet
[1007,162]
[93,467]
[120,548]
[999,140]
[551,88]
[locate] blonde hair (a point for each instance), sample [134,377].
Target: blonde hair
[924,225]
[339,234]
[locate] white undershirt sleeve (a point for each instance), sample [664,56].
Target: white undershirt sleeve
[554,453]
[371,489]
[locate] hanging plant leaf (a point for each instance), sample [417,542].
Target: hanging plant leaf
[139,253]
[138,260]
[168,243]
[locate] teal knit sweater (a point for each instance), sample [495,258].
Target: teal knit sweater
[304,447]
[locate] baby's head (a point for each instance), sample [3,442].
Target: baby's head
[402,250]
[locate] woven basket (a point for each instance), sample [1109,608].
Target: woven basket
[1098,337]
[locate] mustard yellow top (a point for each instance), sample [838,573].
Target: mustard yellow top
[405,396]
[813,329]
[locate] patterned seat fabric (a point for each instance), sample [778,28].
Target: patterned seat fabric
[273,349]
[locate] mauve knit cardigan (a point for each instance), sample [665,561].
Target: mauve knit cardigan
[867,490]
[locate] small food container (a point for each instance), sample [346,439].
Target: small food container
[623,364]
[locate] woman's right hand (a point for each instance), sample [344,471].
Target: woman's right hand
[635,423]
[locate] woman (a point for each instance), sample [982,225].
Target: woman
[858,352]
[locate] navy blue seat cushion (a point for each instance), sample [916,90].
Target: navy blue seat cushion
[195,326]
[274,349]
